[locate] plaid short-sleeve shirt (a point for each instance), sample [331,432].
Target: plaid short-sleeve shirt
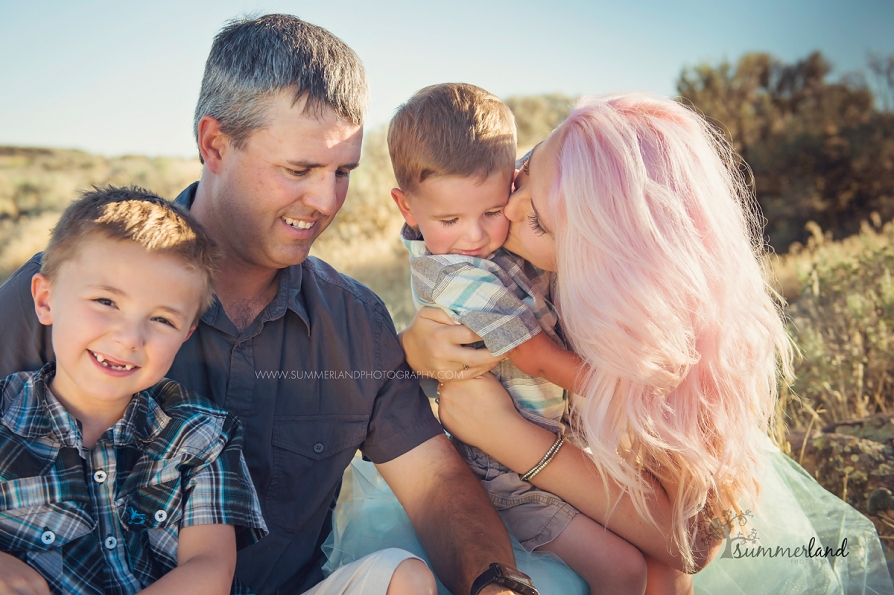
[106,519]
[505,300]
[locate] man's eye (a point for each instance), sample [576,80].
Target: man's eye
[449,221]
[298,173]
[343,174]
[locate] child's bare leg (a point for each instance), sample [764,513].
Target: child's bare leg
[661,579]
[609,564]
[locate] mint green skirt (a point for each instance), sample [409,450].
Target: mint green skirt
[791,543]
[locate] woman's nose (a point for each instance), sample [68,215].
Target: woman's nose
[513,210]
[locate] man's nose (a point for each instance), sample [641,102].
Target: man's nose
[322,194]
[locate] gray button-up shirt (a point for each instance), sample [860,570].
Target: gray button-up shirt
[317,375]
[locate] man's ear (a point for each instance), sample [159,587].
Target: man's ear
[41,292]
[400,199]
[213,143]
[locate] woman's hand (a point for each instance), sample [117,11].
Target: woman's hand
[433,345]
[477,409]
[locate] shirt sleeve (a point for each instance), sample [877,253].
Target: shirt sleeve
[401,417]
[476,298]
[26,344]
[221,492]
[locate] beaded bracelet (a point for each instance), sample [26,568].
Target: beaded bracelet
[560,440]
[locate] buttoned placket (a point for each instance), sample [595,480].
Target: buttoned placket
[101,478]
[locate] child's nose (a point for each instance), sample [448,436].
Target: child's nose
[475,233]
[129,335]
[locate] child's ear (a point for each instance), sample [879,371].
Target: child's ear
[400,199]
[40,291]
[213,143]
[192,329]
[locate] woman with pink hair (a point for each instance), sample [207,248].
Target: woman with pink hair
[646,217]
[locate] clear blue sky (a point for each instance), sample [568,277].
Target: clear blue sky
[119,77]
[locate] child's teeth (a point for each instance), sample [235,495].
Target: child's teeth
[103,361]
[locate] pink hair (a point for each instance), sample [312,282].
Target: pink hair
[661,291]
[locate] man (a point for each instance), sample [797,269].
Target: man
[279,129]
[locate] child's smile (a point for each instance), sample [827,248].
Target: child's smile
[119,315]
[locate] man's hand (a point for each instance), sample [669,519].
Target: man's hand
[17,578]
[433,345]
[452,515]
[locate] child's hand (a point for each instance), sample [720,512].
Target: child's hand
[17,578]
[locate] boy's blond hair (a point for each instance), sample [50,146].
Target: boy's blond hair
[451,129]
[133,215]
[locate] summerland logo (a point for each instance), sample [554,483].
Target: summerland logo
[742,541]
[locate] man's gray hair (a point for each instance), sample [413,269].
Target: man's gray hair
[252,60]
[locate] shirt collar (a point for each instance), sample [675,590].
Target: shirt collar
[412,239]
[34,412]
[288,295]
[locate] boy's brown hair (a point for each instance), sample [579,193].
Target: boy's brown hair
[452,129]
[135,215]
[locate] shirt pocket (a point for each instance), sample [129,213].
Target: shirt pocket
[38,518]
[150,521]
[310,454]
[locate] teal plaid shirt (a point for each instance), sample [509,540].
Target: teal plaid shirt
[505,300]
[106,519]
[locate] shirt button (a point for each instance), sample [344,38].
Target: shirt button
[318,447]
[110,542]
[99,476]
[160,516]
[47,537]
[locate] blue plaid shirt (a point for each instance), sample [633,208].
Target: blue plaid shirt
[106,519]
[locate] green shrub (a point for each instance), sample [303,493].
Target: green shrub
[842,325]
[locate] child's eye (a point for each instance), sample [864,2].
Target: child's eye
[496,213]
[164,321]
[535,224]
[449,222]
[105,302]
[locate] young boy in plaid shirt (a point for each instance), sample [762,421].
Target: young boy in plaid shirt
[114,479]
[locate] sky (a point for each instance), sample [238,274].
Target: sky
[122,77]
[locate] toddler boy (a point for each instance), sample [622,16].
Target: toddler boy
[113,478]
[453,148]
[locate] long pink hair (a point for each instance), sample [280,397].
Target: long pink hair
[662,292]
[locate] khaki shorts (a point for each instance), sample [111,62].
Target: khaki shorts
[370,575]
[532,516]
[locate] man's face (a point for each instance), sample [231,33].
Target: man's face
[276,194]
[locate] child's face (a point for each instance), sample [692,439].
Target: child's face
[459,215]
[119,315]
